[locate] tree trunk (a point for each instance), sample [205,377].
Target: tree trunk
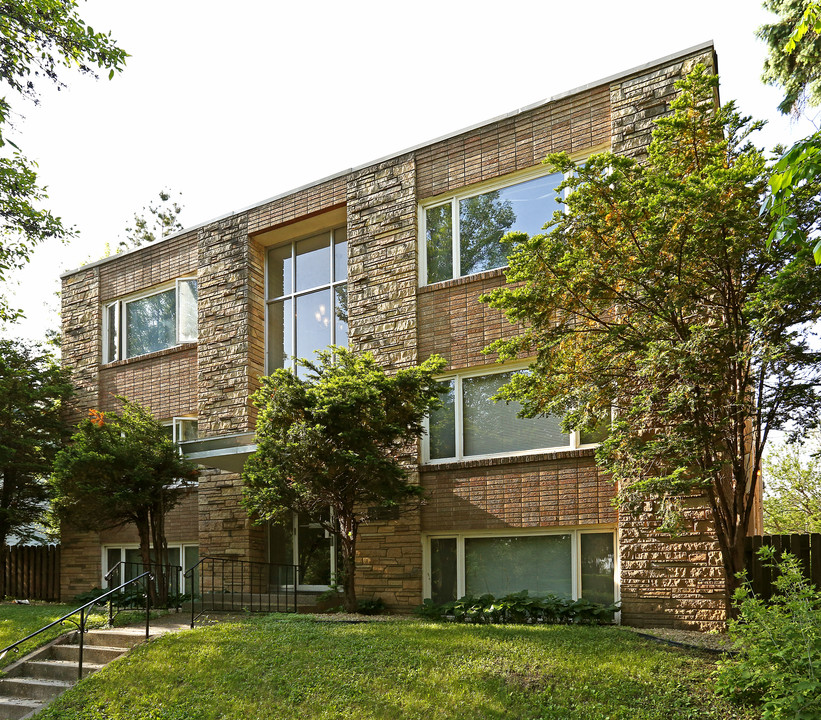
[144,531]
[160,545]
[348,530]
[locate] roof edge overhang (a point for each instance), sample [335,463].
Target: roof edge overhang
[225,452]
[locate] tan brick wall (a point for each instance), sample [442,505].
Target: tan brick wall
[81,328]
[298,205]
[546,490]
[571,124]
[165,382]
[453,323]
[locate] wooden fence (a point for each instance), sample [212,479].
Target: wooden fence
[806,547]
[30,572]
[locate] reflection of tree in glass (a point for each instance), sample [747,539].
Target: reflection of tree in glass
[439,237]
[442,425]
[341,309]
[483,220]
[151,323]
[314,551]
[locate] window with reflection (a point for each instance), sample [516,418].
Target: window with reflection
[307,297]
[463,234]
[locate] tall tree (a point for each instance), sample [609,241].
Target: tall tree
[32,389]
[792,487]
[154,222]
[331,440]
[794,64]
[122,468]
[37,39]
[657,294]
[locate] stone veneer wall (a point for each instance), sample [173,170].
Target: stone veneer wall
[381,207]
[227,284]
[674,581]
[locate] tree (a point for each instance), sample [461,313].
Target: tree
[122,468]
[658,295]
[332,440]
[154,222]
[792,485]
[37,39]
[794,63]
[33,387]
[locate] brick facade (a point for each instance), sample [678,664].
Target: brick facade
[675,581]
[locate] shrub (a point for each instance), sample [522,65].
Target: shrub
[520,608]
[779,644]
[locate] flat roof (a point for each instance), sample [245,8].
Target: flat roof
[606,80]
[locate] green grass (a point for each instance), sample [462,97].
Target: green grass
[17,621]
[270,667]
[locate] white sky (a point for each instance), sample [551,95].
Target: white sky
[232,103]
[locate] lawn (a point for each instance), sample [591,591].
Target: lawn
[288,668]
[17,621]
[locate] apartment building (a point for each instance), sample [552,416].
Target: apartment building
[389,257]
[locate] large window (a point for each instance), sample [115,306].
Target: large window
[150,322]
[571,563]
[471,424]
[181,555]
[462,233]
[307,297]
[301,540]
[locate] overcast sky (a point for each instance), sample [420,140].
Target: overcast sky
[232,103]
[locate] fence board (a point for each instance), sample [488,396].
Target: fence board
[30,572]
[806,547]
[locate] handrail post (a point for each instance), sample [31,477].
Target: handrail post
[82,643]
[148,579]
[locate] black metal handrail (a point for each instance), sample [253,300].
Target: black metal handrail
[81,626]
[230,584]
[172,591]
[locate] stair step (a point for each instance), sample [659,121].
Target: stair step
[60,669]
[33,688]
[113,638]
[13,708]
[93,654]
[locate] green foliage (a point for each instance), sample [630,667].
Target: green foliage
[122,468]
[794,63]
[520,608]
[779,643]
[658,294]
[33,387]
[298,669]
[154,222]
[792,488]
[333,439]
[37,39]
[794,58]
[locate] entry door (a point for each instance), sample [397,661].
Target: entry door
[301,540]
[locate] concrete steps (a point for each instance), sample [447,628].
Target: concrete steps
[32,682]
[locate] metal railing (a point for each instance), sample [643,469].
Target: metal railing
[163,587]
[229,585]
[84,612]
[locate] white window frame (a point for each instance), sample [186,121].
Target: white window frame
[573,438]
[575,554]
[453,198]
[120,327]
[122,547]
[472,191]
[294,294]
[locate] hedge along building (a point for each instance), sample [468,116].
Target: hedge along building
[390,257]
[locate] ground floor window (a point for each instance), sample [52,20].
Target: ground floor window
[181,555]
[572,563]
[301,540]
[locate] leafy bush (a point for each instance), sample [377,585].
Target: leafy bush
[371,607]
[779,644]
[520,608]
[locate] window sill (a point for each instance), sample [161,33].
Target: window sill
[491,461]
[464,280]
[149,356]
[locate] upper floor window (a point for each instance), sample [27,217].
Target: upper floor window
[307,297]
[462,233]
[151,321]
[471,424]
